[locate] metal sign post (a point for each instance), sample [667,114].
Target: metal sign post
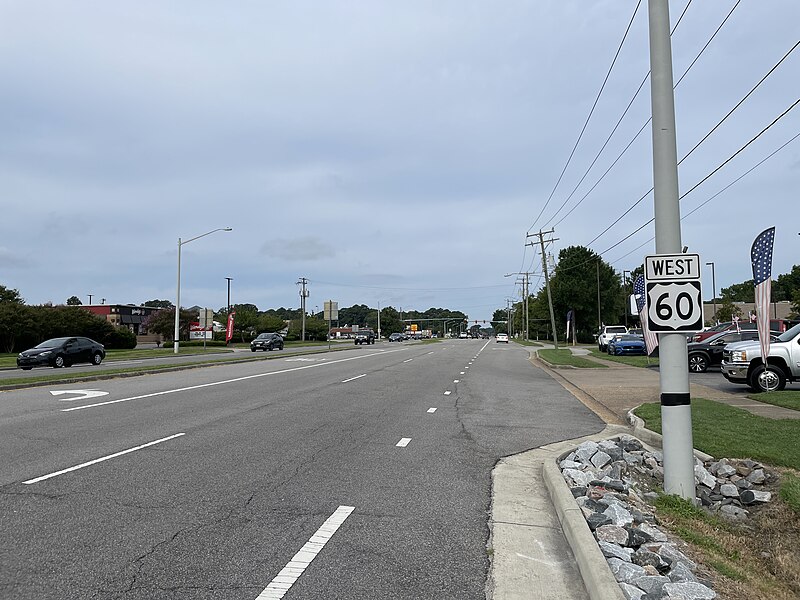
[330,311]
[676,410]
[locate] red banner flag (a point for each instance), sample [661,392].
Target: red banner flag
[229,328]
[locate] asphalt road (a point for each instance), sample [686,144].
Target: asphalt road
[335,465]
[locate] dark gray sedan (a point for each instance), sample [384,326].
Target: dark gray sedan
[62,352]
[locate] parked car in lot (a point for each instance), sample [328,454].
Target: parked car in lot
[397,337]
[626,345]
[607,333]
[708,353]
[365,336]
[502,337]
[62,352]
[267,341]
[742,362]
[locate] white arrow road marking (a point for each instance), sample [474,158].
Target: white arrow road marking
[432,410]
[447,393]
[97,460]
[403,442]
[83,394]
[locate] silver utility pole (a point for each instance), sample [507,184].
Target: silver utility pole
[303,295]
[676,413]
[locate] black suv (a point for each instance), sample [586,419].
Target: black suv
[709,352]
[365,336]
[267,341]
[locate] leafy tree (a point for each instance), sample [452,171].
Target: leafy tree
[740,292]
[245,322]
[9,295]
[501,314]
[159,304]
[786,285]
[162,322]
[19,328]
[728,310]
[270,323]
[796,304]
[74,301]
[390,321]
[316,329]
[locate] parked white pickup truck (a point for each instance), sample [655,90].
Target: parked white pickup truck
[607,333]
[741,362]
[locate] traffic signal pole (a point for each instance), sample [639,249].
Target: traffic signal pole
[676,414]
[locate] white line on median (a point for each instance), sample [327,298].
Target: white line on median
[431,410]
[287,577]
[354,378]
[403,442]
[97,460]
[214,383]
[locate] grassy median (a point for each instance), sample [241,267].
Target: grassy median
[755,558]
[634,361]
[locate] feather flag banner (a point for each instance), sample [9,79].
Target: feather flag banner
[761,258]
[650,338]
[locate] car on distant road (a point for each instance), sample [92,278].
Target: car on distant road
[626,345]
[267,341]
[396,337]
[62,352]
[365,336]
[709,352]
[607,333]
[502,337]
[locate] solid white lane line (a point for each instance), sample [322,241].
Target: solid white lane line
[447,393]
[226,381]
[432,410]
[287,577]
[97,460]
[354,378]
[403,442]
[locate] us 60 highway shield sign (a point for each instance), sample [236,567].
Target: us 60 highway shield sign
[674,294]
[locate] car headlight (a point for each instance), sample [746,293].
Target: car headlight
[738,356]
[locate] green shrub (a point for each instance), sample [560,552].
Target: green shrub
[119,338]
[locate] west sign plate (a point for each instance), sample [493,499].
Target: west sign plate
[674,294]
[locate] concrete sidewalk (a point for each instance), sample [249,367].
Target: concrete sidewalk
[541,546]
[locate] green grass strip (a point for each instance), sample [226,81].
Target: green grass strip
[563,357]
[634,361]
[786,398]
[790,491]
[722,430]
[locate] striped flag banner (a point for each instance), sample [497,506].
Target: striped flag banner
[761,258]
[650,338]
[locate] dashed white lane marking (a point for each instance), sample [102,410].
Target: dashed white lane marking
[226,381]
[354,378]
[284,580]
[408,360]
[403,442]
[462,372]
[456,380]
[447,393]
[97,460]
[431,410]
[466,367]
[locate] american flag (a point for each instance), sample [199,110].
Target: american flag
[650,338]
[761,257]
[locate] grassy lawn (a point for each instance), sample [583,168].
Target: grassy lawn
[756,558]
[563,357]
[634,361]
[786,398]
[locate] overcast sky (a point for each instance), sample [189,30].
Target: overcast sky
[390,152]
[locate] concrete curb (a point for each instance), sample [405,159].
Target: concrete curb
[598,579]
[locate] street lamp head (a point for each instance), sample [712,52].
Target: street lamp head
[227,229]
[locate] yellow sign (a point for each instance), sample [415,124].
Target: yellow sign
[413,327]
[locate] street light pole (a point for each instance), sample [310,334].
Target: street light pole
[379,319]
[176,342]
[714,286]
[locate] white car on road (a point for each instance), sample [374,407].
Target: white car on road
[502,337]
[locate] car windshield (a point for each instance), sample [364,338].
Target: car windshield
[620,329]
[264,336]
[789,335]
[52,343]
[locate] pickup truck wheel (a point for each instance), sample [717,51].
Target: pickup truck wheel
[767,380]
[698,363]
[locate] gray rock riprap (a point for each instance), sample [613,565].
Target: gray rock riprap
[602,477]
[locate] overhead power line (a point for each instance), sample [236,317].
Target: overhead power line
[591,112]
